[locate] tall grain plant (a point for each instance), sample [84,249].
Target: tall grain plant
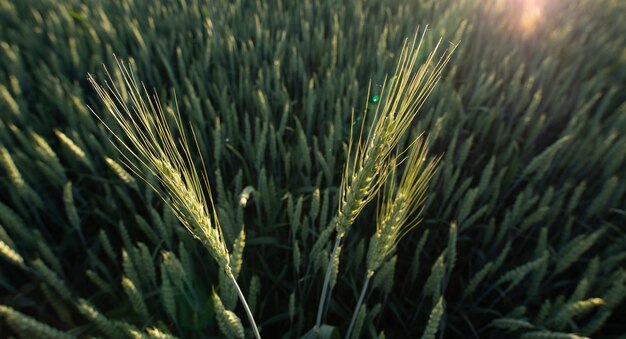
[149,147]
[398,212]
[401,98]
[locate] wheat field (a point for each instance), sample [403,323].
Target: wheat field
[312,169]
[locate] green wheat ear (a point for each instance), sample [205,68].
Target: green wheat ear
[399,207]
[149,148]
[400,100]
[398,213]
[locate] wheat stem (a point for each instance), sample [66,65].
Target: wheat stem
[153,150]
[358,306]
[325,286]
[245,306]
[403,96]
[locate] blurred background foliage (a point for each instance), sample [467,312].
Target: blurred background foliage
[529,117]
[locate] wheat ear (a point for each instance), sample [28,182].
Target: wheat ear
[398,213]
[150,148]
[401,99]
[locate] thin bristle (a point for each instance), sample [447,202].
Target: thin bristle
[152,144]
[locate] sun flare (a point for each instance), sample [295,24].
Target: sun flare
[531,14]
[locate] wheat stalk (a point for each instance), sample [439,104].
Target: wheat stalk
[151,143]
[402,97]
[398,212]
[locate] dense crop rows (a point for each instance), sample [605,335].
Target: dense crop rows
[523,230]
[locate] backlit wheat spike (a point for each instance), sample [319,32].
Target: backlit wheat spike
[400,207]
[575,198]
[254,291]
[244,196]
[236,257]
[433,320]
[149,147]
[541,162]
[120,172]
[10,254]
[367,172]
[315,204]
[9,100]
[124,235]
[318,258]
[28,327]
[150,141]
[52,279]
[103,324]
[487,175]
[4,236]
[586,281]
[369,166]
[386,275]
[130,268]
[106,245]
[51,159]
[23,188]
[147,263]
[71,145]
[156,333]
[226,292]
[294,213]
[163,230]
[517,274]
[70,206]
[130,330]
[477,279]
[136,299]
[335,268]
[432,284]
[175,269]
[229,323]
[10,167]
[576,309]
[511,324]
[466,205]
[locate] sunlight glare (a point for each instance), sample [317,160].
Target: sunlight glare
[531,14]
